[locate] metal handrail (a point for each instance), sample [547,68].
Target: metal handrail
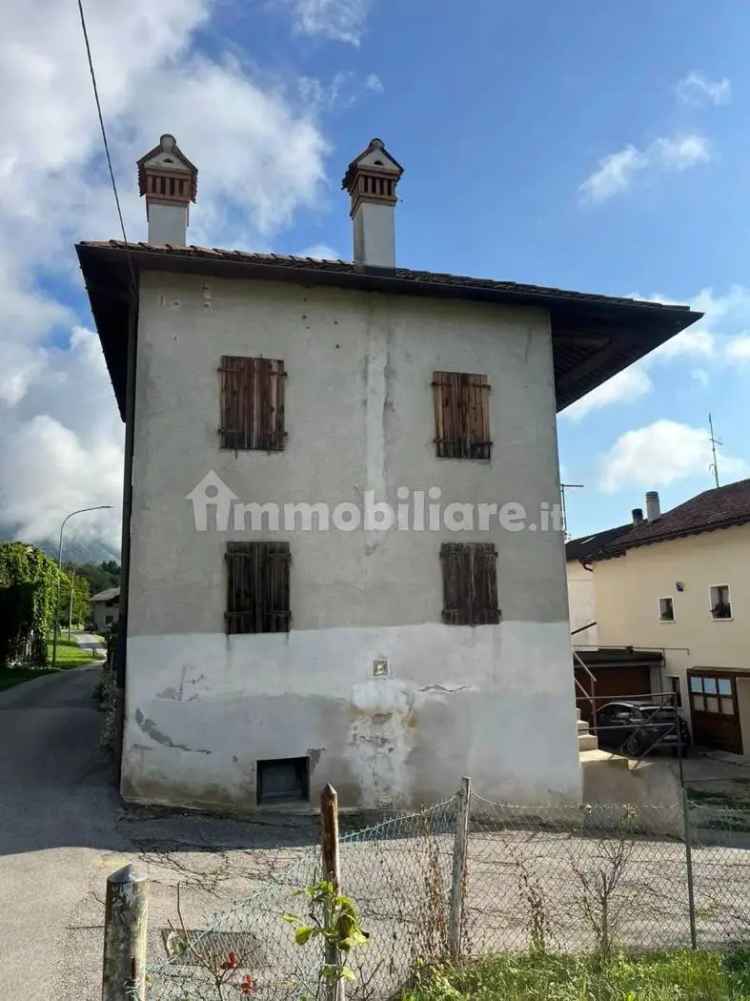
[582,629]
[591,697]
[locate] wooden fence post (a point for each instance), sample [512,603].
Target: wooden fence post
[329,816]
[125,931]
[460,846]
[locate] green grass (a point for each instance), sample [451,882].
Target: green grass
[69,654]
[675,976]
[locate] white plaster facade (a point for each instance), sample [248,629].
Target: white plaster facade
[581,603]
[202,708]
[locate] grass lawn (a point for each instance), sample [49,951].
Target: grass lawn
[69,654]
[675,976]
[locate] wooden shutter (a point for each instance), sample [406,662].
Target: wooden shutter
[252,403]
[484,573]
[469,583]
[257,587]
[462,415]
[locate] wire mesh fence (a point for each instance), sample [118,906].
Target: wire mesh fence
[556,878]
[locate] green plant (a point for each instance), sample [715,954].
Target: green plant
[28,596]
[334,919]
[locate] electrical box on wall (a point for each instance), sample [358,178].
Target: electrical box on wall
[380,668]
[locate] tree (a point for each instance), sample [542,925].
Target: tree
[28,594]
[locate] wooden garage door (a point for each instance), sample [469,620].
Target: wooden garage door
[713,707]
[612,683]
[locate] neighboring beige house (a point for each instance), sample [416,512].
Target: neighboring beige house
[105,608]
[679,581]
[279,635]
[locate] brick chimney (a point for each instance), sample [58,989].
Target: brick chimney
[371,180]
[170,182]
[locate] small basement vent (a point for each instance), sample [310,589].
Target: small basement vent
[285,780]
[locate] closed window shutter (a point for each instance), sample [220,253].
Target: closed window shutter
[462,415]
[469,583]
[252,403]
[455,561]
[258,587]
[484,574]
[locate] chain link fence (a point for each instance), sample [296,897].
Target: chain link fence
[555,878]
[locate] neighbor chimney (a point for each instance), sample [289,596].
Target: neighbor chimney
[637,515]
[653,511]
[169,181]
[371,180]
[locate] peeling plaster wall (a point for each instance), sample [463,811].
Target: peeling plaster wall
[485,702]
[495,702]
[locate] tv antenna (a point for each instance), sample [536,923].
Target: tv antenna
[563,488]
[714,465]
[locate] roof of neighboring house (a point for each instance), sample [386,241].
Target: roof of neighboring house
[109,595]
[588,546]
[593,336]
[721,507]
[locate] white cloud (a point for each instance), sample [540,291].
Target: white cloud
[627,386]
[260,160]
[617,170]
[614,175]
[681,153]
[320,252]
[696,89]
[339,20]
[660,454]
[691,343]
[343,90]
[738,348]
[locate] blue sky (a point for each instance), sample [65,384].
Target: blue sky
[588,146]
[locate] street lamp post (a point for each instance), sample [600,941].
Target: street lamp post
[66,519]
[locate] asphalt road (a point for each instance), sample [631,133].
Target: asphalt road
[58,833]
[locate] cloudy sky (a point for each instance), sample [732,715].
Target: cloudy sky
[583,145]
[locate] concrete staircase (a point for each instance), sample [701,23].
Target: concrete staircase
[586,739]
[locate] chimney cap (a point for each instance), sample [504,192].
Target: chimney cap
[167,158]
[366,160]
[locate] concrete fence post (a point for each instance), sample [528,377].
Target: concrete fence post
[329,818]
[125,931]
[458,881]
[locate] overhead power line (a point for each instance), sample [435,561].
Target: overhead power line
[104,135]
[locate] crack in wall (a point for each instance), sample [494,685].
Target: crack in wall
[150,728]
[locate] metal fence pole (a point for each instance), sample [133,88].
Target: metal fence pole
[125,931]
[329,816]
[460,847]
[689,866]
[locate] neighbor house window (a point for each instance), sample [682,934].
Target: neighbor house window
[257,587]
[721,606]
[712,694]
[252,403]
[666,610]
[469,583]
[462,415]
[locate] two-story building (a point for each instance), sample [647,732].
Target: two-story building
[341,552]
[676,585]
